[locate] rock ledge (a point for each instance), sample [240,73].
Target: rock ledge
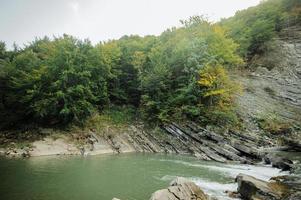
[182,189]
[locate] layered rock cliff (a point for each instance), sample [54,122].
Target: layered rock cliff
[273,86]
[188,138]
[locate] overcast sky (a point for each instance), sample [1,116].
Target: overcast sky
[22,20]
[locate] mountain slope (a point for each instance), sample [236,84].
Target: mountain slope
[273,87]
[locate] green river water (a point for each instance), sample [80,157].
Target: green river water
[125,176]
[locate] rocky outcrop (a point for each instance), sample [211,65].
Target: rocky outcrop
[272,87]
[279,188]
[180,189]
[251,188]
[222,147]
[278,162]
[292,144]
[52,146]
[185,139]
[17,152]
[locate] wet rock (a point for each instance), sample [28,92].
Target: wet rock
[294,145]
[278,162]
[182,189]
[251,188]
[232,194]
[282,164]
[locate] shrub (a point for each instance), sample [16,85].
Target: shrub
[270,91]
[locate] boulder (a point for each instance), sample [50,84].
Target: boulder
[293,144]
[278,162]
[282,164]
[182,189]
[251,188]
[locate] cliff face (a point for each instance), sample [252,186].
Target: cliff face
[274,88]
[185,139]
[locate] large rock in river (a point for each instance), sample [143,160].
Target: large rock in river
[251,188]
[278,162]
[180,189]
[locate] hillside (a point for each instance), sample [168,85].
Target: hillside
[273,86]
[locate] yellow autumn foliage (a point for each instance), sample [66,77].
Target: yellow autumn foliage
[217,87]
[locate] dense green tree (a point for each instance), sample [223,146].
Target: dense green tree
[169,84]
[128,55]
[58,81]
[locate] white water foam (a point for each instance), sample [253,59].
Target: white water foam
[263,172]
[260,172]
[216,189]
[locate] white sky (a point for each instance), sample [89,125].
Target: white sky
[22,20]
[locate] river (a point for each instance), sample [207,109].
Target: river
[126,176]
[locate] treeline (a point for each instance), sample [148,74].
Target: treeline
[183,73]
[253,27]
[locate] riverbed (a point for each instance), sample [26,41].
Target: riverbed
[130,176]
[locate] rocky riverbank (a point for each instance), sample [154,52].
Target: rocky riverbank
[249,188]
[278,188]
[188,138]
[286,187]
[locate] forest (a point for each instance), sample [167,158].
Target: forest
[185,73]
